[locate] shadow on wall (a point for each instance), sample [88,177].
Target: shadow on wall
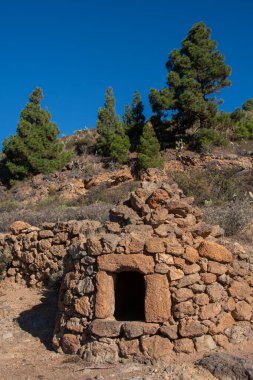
[40,320]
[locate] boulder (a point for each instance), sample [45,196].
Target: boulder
[215,252]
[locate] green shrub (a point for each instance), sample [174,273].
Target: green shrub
[119,147]
[244,130]
[211,185]
[207,138]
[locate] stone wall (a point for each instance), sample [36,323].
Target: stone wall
[36,254]
[198,295]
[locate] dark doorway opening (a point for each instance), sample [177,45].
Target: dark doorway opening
[129,296]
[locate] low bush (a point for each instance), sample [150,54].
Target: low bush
[211,185]
[107,195]
[232,216]
[207,138]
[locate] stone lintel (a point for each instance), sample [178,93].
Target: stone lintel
[116,263]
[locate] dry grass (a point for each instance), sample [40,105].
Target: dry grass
[232,216]
[95,205]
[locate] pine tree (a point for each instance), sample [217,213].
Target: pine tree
[107,123]
[119,147]
[149,149]
[248,105]
[35,148]
[134,120]
[112,141]
[195,72]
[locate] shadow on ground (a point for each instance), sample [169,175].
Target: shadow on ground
[40,320]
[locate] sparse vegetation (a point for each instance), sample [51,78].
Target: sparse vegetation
[211,185]
[221,194]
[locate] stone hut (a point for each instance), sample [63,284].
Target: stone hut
[152,282]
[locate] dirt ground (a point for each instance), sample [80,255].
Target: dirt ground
[27,322]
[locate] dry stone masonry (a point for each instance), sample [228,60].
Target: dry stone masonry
[36,254]
[152,281]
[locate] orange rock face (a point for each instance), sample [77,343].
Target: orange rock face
[157,299]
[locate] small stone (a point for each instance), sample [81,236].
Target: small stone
[128,348]
[19,226]
[189,269]
[242,312]
[216,292]
[225,321]
[201,299]
[208,278]
[230,304]
[221,340]
[105,328]
[85,286]
[70,343]
[189,280]
[210,311]
[156,347]
[183,309]
[191,328]
[183,294]
[155,245]
[184,345]
[158,198]
[198,288]
[191,255]
[175,274]
[44,234]
[58,250]
[170,331]
[82,306]
[216,268]
[161,268]
[136,329]
[165,258]
[204,343]
[240,290]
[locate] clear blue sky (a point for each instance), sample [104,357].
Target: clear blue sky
[75,49]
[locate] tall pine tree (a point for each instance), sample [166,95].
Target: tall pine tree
[112,141]
[35,147]
[196,72]
[134,120]
[149,149]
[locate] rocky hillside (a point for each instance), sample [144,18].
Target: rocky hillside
[88,186]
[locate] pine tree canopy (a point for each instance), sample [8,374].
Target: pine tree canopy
[196,72]
[35,148]
[248,105]
[112,141]
[149,149]
[134,120]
